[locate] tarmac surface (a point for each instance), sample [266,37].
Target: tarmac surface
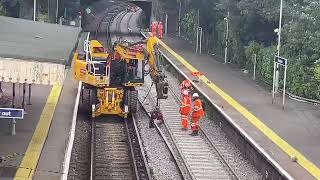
[29,40]
[12,148]
[298,124]
[50,165]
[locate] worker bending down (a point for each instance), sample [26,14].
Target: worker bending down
[185,108]
[186,86]
[197,114]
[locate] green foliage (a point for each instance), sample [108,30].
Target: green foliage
[188,27]
[265,63]
[317,72]
[251,31]
[2,11]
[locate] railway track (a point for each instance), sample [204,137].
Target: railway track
[119,20]
[199,154]
[116,150]
[183,172]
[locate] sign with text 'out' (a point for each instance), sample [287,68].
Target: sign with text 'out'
[11,113]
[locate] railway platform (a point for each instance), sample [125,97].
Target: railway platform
[285,135]
[36,54]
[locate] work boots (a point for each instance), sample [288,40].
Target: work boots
[194,133]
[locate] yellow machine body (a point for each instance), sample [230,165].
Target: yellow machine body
[109,80]
[84,69]
[110,102]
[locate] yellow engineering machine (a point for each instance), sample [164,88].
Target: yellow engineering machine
[109,78]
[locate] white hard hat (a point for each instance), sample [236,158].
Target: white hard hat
[195,95]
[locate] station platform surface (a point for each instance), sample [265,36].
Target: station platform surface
[13,148]
[51,164]
[38,149]
[25,39]
[282,133]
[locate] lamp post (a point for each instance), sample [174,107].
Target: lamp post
[34,9]
[57,10]
[276,83]
[179,23]
[227,36]
[197,29]
[166,29]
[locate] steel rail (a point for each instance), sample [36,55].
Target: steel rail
[92,149]
[222,159]
[141,147]
[112,143]
[131,150]
[177,148]
[166,141]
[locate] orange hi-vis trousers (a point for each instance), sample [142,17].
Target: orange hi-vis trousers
[160,29]
[195,123]
[197,114]
[185,109]
[184,120]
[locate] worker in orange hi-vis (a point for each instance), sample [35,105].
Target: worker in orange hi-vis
[160,29]
[186,85]
[197,114]
[185,109]
[154,28]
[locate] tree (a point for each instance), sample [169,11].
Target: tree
[251,31]
[2,11]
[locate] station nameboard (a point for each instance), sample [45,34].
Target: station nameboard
[281,60]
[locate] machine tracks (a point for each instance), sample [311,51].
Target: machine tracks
[116,151]
[198,153]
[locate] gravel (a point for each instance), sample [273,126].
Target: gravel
[160,161]
[80,157]
[226,148]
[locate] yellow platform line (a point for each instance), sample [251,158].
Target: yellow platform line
[286,147]
[30,160]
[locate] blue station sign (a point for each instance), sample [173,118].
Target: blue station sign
[11,113]
[281,60]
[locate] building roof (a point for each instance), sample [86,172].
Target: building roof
[37,41]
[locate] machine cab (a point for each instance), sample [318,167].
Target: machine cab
[134,73]
[93,65]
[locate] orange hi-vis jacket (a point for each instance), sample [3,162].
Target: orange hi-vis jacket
[154,28]
[197,110]
[160,28]
[185,107]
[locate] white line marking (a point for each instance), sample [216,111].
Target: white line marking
[68,151]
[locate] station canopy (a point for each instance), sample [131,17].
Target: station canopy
[31,72]
[35,52]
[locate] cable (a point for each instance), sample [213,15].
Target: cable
[147,93]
